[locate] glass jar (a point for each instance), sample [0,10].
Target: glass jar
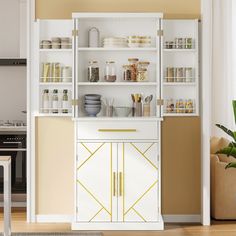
[110,71]
[126,73]
[55,104]
[142,75]
[45,101]
[133,62]
[46,72]
[142,71]
[66,74]
[93,71]
[56,72]
[65,101]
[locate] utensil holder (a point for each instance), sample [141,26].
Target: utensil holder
[146,109]
[109,111]
[138,109]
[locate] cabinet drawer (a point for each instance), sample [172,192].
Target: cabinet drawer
[117,130]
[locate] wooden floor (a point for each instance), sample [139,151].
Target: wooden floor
[218,228]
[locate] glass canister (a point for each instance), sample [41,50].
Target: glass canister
[142,71]
[66,74]
[133,62]
[46,72]
[55,103]
[126,73]
[45,101]
[65,101]
[56,72]
[93,71]
[110,71]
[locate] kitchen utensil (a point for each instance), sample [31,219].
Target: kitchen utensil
[122,111]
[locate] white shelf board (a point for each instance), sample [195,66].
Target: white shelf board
[53,115]
[179,114]
[56,50]
[118,119]
[117,49]
[117,83]
[180,50]
[179,84]
[56,84]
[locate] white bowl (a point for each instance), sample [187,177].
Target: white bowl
[122,111]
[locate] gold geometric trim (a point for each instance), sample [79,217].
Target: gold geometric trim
[143,154]
[94,197]
[86,148]
[139,214]
[141,196]
[96,214]
[90,156]
[148,148]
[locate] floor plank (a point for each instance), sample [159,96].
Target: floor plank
[218,228]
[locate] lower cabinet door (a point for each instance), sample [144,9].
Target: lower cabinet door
[96,182]
[138,198]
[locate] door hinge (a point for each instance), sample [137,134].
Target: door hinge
[160,102]
[74,102]
[75,33]
[160,32]
[77,209]
[77,157]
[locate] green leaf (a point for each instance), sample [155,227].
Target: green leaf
[234,108]
[232,144]
[229,151]
[231,165]
[227,131]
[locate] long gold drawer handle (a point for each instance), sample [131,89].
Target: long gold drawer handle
[114,184]
[117,130]
[120,184]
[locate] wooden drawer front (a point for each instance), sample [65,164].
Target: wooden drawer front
[117,130]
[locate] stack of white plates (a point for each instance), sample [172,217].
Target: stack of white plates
[115,42]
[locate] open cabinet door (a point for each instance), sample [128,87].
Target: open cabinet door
[138,182]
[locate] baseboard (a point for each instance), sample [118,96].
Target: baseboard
[54,218]
[167,218]
[182,218]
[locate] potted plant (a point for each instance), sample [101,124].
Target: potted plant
[230,150]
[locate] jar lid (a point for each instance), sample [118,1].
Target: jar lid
[65,91]
[46,91]
[133,59]
[108,62]
[126,66]
[91,62]
[55,90]
[144,62]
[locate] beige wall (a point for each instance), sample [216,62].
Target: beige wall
[180,136]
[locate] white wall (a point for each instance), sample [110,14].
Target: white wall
[12,79]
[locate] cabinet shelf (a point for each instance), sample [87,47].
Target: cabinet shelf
[180,50]
[179,84]
[56,50]
[152,118]
[117,84]
[154,49]
[179,114]
[53,115]
[55,84]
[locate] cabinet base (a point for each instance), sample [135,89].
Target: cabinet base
[118,226]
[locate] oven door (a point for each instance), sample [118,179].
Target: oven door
[18,169]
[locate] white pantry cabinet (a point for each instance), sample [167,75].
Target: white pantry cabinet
[118,159]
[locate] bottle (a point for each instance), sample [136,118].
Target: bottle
[45,100]
[55,101]
[65,102]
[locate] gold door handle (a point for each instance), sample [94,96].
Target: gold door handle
[117,130]
[114,184]
[120,184]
